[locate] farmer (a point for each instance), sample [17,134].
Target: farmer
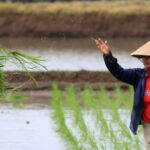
[139,79]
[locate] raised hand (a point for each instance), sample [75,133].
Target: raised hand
[102,46]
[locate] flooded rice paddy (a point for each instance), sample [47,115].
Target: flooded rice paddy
[34,129]
[75,54]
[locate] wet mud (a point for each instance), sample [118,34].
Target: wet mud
[79,79]
[74,26]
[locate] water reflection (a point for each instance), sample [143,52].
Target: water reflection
[75,54]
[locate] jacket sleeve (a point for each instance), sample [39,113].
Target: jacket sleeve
[125,75]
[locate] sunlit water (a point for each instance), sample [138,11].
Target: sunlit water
[63,54]
[39,133]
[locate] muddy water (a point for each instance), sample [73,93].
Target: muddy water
[75,54]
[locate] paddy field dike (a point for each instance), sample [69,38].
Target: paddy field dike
[75,19]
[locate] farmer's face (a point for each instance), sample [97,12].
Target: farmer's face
[146,61]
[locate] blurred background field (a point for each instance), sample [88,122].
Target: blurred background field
[75,19]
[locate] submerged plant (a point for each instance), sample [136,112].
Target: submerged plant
[91,124]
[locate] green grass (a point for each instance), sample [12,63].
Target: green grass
[102,9]
[104,112]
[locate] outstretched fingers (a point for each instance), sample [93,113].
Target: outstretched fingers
[98,44]
[106,43]
[100,41]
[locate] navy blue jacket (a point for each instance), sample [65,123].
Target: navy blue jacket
[135,77]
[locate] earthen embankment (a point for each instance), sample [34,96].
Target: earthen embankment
[80,79]
[75,19]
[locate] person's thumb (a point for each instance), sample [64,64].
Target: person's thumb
[106,42]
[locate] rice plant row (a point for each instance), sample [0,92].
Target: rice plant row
[85,120]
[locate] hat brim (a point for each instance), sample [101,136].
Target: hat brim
[139,55]
[142,51]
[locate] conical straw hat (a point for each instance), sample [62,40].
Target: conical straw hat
[144,50]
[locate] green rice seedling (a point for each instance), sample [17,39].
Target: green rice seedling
[19,106]
[103,98]
[127,140]
[2,75]
[58,116]
[125,133]
[111,131]
[17,100]
[122,131]
[14,98]
[91,103]
[20,59]
[2,88]
[98,115]
[106,131]
[25,61]
[131,90]
[121,98]
[79,119]
[138,143]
